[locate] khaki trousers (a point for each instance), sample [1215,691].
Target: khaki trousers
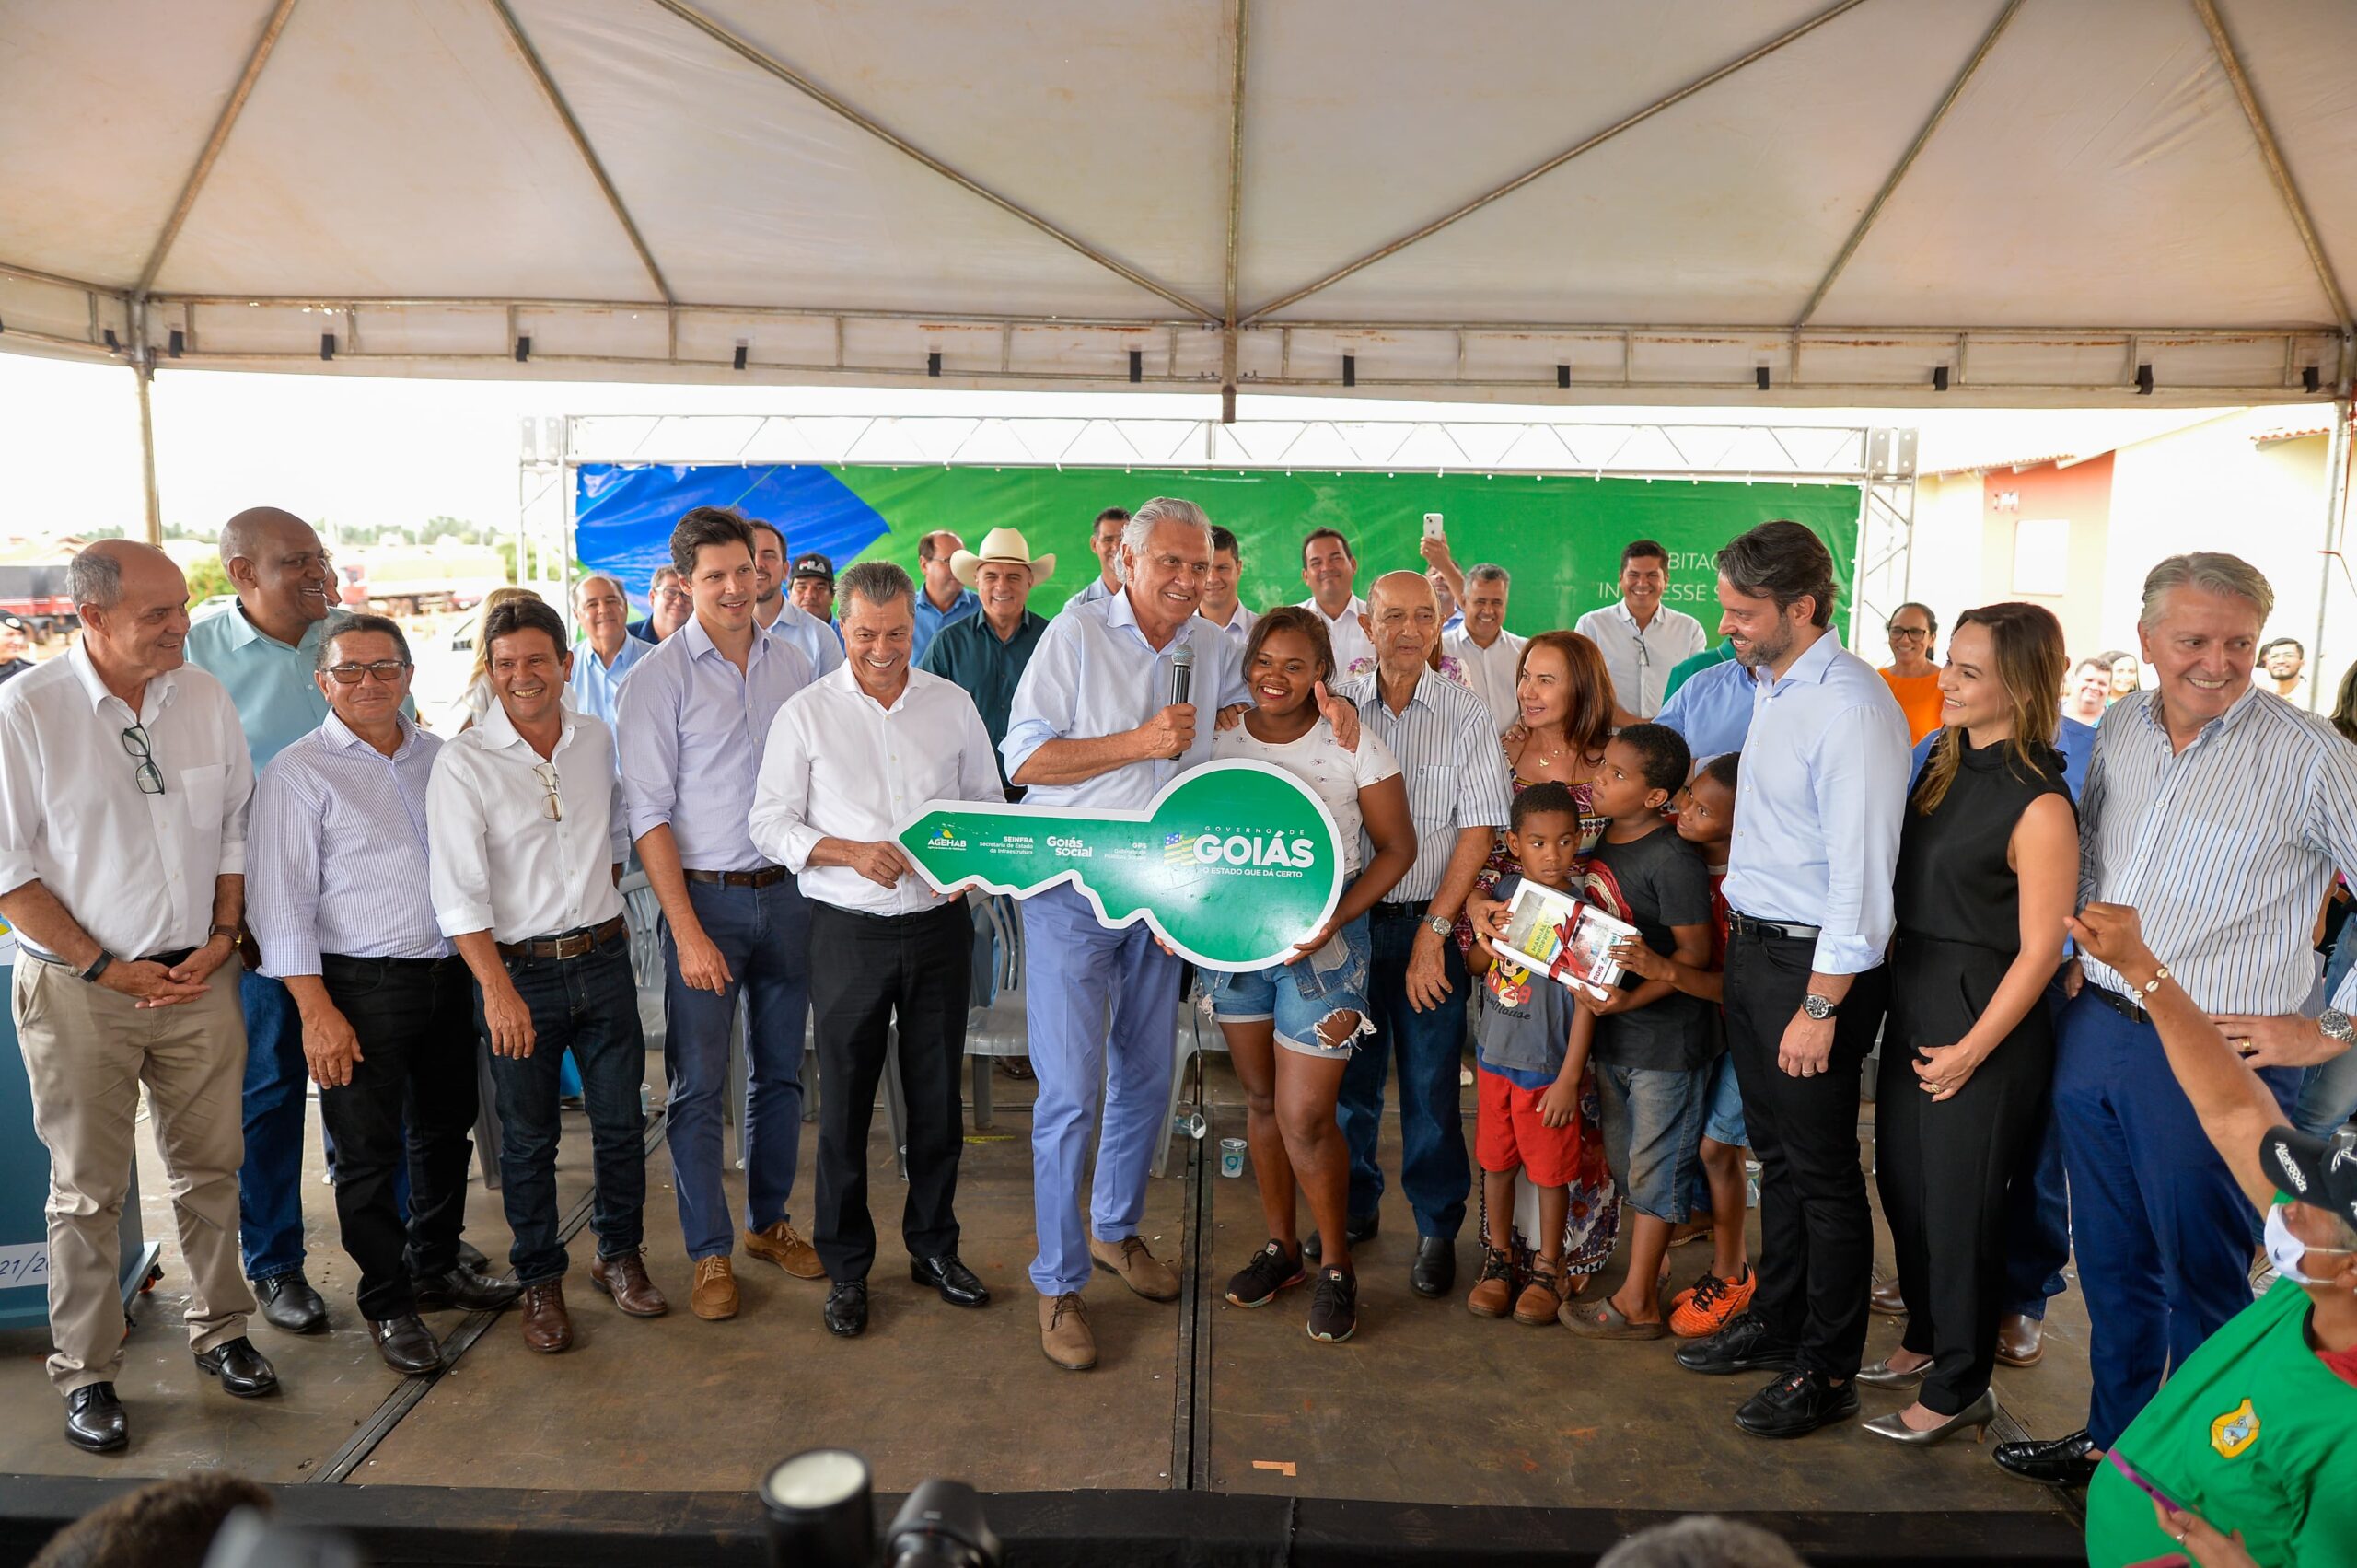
[87,1051]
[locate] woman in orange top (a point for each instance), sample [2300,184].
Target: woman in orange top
[1913,674]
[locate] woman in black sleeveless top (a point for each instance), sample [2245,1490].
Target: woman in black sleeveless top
[1988,873]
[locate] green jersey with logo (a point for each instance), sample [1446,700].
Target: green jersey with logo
[2253,1434]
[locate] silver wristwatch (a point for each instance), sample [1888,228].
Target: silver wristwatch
[1439,926]
[2335,1025]
[1819,1007]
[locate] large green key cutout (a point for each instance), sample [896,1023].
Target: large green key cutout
[1232,864]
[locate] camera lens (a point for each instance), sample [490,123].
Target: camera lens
[821,1511]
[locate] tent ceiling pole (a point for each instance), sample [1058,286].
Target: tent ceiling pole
[1242,33]
[1518,181]
[1906,162]
[581,145]
[2335,521]
[215,143]
[2273,157]
[828,100]
[56,279]
[143,371]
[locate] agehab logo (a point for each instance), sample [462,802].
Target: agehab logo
[1255,849]
[944,837]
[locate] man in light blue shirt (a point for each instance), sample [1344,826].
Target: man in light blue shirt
[264,649]
[945,598]
[608,651]
[694,716]
[1711,710]
[1090,729]
[1808,890]
[775,613]
[1105,543]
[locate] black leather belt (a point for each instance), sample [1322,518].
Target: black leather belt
[171,960]
[2118,1003]
[572,945]
[764,878]
[1412,911]
[1741,925]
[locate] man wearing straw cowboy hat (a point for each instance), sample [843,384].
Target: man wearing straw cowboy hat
[986,653]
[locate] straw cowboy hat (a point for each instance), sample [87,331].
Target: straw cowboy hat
[1004,545]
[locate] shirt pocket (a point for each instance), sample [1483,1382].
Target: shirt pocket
[205,790]
[1433,794]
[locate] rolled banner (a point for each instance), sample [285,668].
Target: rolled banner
[1232,864]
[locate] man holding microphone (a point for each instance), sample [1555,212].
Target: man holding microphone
[1098,723]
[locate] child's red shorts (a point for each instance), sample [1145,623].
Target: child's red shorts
[1508,1133]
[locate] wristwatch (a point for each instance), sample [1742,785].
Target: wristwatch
[2335,1025]
[1439,925]
[1819,1007]
[231,932]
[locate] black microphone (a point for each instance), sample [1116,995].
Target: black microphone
[1182,674]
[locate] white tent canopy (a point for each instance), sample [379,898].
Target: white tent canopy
[1852,201]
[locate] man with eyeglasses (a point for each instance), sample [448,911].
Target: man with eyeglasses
[1912,673]
[341,906]
[526,834]
[1641,639]
[264,651]
[124,782]
[667,606]
[694,718]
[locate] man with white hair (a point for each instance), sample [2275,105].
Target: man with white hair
[2221,816]
[1089,730]
[1490,655]
[601,610]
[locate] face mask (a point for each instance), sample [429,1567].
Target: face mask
[2286,1250]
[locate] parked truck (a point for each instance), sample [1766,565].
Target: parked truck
[38,596]
[398,580]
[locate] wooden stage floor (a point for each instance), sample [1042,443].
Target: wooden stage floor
[1427,1405]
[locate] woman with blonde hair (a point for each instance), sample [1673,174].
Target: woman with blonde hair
[1988,875]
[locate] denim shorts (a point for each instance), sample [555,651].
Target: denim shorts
[1653,1118]
[1300,994]
[1722,1121]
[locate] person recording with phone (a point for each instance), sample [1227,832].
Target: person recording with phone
[1105,716]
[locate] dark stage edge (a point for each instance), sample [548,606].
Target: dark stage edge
[451,1527]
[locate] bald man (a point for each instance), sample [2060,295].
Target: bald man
[265,652]
[124,781]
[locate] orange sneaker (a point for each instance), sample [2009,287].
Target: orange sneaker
[1711,1304]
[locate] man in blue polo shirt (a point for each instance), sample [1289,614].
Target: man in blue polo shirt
[945,598]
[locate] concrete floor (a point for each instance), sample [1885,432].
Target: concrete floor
[1427,1404]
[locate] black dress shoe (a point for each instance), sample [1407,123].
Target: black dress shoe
[288,1302]
[846,1308]
[242,1369]
[1434,1270]
[465,1288]
[94,1419]
[1360,1231]
[1744,1345]
[956,1282]
[2057,1461]
[471,1255]
[406,1344]
[1796,1404]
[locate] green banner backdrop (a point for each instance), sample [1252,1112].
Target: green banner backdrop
[1560,536]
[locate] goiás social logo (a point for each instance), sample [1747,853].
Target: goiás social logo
[1065,848]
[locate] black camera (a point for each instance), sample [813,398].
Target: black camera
[821,1511]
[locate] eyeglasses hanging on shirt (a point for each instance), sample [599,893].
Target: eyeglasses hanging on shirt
[150,777]
[554,804]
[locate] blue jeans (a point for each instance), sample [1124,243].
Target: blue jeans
[2329,1089]
[1100,1009]
[588,1005]
[764,935]
[270,1183]
[1653,1120]
[1298,997]
[1434,1173]
[2163,1231]
[2038,1213]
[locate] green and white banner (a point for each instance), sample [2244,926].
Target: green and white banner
[1232,864]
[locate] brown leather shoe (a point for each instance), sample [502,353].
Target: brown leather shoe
[624,1279]
[1063,1332]
[2021,1342]
[1493,1293]
[713,1295]
[1887,1300]
[1137,1268]
[1540,1300]
[782,1245]
[547,1326]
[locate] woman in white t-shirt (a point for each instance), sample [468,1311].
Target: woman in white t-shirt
[1314,1005]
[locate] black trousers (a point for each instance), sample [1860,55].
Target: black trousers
[1816,1245]
[415,1019]
[1944,1169]
[867,971]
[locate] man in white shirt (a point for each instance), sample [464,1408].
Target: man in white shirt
[1221,607]
[1490,655]
[1642,640]
[527,837]
[850,759]
[1331,571]
[1105,543]
[125,782]
[773,609]
[341,907]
